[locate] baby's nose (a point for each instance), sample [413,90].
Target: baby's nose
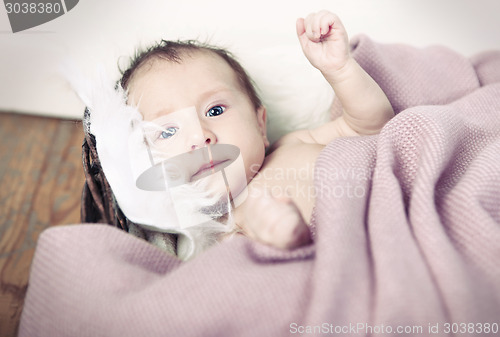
[197,146]
[208,138]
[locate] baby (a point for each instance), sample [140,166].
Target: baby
[174,76]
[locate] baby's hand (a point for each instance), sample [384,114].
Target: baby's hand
[324,41]
[274,221]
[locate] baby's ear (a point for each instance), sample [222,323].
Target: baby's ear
[261,121]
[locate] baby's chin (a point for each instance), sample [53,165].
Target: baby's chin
[228,183]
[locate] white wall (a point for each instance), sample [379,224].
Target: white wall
[100,31]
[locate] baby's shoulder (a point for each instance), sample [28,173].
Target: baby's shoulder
[294,138]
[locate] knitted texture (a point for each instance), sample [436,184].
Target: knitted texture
[406,227]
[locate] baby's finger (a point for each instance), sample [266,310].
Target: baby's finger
[311,31]
[301,32]
[326,22]
[336,26]
[317,25]
[299,25]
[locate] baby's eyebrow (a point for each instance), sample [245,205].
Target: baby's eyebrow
[215,91]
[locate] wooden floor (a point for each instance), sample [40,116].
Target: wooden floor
[41,179]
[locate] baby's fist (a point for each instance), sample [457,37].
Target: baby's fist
[324,40]
[275,221]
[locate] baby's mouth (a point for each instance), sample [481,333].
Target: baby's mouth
[188,167]
[207,169]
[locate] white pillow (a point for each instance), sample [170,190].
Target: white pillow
[295,93]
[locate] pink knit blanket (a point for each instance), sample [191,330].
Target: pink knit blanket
[406,234]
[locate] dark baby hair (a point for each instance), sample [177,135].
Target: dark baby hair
[173,51]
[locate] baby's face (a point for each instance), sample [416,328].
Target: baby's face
[201,93]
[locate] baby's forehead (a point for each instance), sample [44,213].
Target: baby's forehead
[203,68]
[191,58]
[194,64]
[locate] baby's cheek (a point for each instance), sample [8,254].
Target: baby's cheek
[252,170]
[253,164]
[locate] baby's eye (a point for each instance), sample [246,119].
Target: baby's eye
[167,133]
[215,111]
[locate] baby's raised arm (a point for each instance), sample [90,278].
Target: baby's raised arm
[325,43]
